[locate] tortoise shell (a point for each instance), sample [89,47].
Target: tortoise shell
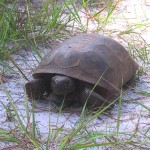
[91,58]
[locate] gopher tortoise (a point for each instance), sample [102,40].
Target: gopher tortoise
[88,68]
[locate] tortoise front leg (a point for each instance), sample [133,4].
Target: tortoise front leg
[36,88]
[60,100]
[91,99]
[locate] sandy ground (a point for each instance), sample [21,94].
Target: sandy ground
[133,115]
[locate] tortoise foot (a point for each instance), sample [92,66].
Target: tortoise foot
[35,88]
[91,99]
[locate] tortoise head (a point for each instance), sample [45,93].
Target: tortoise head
[62,85]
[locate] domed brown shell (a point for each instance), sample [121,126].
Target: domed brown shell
[92,58]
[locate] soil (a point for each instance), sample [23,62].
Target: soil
[133,115]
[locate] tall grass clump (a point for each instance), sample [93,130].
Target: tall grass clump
[24,24]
